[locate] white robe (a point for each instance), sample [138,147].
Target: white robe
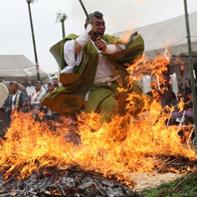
[105,71]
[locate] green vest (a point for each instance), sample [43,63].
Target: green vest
[70,96]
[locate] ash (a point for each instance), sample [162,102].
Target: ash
[72,182]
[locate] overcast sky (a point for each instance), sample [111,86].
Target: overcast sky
[120,15]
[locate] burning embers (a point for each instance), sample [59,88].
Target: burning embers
[70,182]
[127,144]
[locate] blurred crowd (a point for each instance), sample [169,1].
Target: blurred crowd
[179,104]
[26,98]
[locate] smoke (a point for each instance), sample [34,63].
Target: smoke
[122,15]
[118,15]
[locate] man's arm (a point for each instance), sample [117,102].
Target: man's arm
[82,40]
[132,50]
[71,57]
[114,44]
[73,50]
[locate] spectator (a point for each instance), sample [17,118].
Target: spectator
[36,97]
[50,87]
[56,82]
[29,88]
[186,115]
[168,97]
[3,95]
[49,114]
[17,100]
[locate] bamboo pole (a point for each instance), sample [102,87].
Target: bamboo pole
[33,39]
[191,69]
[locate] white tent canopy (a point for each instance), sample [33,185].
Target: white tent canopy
[19,68]
[170,33]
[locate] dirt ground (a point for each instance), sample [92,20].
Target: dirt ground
[152,180]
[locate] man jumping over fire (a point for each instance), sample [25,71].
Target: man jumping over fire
[92,69]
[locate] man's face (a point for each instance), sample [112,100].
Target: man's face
[98,26]
[51,87]
[37,86]
[13,87]
[55,81]
[29,82]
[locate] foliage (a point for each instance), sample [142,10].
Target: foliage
[185,186]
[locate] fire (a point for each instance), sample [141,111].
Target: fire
[124,145]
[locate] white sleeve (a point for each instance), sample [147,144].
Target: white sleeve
[111,48]
[70,57]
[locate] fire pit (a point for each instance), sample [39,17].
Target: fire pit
[66,158]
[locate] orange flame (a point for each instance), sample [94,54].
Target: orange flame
[124,145]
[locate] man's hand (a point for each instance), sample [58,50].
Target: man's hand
[88,29]
[100,44]
[82,40]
